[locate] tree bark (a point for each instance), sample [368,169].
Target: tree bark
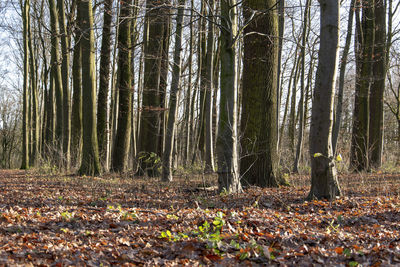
[119,159]
[324,183]
[343,64]
[259,164]
[25,130]
[90,155]
[105,67]
[228,162]
[376,129]
[364,42]
[176,75]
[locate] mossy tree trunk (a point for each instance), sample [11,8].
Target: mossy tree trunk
[90,164]
[259,164]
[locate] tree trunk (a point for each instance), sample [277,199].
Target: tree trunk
[122,140]
[376,128]
[324,183]
[228,162]
[364,42]
[56,70]
[176,75]
[25,130]
[259,164]
[209,75]
[150,114]
[306,22]
[105,67]
[343,64]
[90,155]
[65,83]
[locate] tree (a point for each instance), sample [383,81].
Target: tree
[25,130]
[105,66]
[379,70]
[56,75]
[259,163]
[306,22]
[343,64]
[122,140]
[228,162]
[65,50]
[76,116]
[90,155]
[324,183]
[176,75]
[150,113]
[364,48]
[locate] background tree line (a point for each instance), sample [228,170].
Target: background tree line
[240,88]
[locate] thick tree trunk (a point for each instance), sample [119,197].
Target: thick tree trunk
[259,164]
[150,114]
[228,162]
[122,140]
[324,183]
[364,41]
[376,128]
[90,155]
[176,74]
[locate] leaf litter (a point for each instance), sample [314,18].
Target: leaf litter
[70,220]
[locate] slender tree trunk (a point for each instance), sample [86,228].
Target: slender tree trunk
[105,67]
[76,116]
[119,161]
[209,75]
[56,69]
[281,30]
[65,74]
[376,128]
[34,100]
[90,155]
[228,162]
[343,64]
[324,183]
[306,22]
[176,75]
[25,130]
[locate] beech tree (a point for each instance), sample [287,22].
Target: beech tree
[324,183]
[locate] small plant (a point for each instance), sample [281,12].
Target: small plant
[66,215]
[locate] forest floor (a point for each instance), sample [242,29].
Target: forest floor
[113,220]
